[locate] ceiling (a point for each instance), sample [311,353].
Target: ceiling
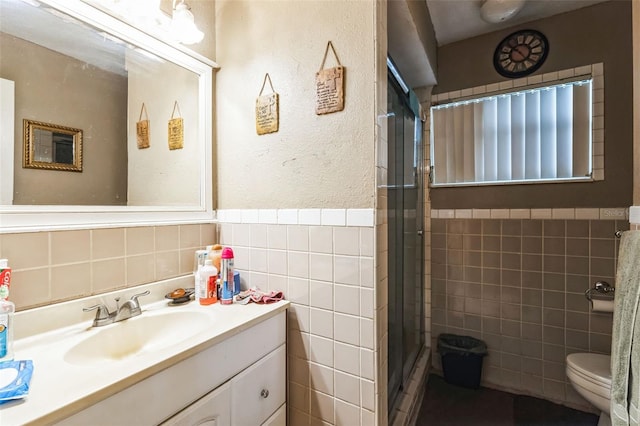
[455,20]
[411,25]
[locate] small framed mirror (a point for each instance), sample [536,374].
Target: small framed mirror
[51,146]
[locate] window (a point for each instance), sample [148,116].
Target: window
[530,134]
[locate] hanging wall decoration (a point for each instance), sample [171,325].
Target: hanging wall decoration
[267,118]
[176,129]
[142,129]
[330,86]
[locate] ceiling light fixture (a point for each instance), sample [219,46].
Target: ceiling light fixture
[495,11]
[183,24]
[144,10]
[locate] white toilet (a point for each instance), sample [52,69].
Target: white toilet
[590,375]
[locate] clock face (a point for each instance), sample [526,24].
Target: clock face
[520,53]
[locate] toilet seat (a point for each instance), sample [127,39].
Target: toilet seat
[594,367]
[590,375]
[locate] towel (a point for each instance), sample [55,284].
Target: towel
[625,328]
[634,381]
[258,296]
[634,377]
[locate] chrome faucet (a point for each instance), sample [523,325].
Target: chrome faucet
[130,308]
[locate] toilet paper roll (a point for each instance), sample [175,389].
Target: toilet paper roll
[599,305]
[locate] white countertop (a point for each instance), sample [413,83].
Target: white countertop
[59,388]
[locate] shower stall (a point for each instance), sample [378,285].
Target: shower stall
[405,233]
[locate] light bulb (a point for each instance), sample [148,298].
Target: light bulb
[183,25]
[142,9]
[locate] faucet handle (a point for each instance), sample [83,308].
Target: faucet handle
[103,312]
[134,298]
[103,317]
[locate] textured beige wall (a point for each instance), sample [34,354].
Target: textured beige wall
[312,161]
[58,89]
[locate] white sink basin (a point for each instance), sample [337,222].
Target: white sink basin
[137,335]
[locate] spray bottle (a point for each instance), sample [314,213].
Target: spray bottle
[226,275]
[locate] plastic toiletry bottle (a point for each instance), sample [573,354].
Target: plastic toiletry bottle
[208,277]
[198,263]
[226,275]
[7,309]
[215,254]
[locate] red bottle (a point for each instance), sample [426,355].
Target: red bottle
[226,276]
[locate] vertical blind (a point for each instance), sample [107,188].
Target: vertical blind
[532,135]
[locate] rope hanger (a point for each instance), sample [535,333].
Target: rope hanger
[266,77]
[326,51]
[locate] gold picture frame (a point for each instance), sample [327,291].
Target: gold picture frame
[52,146]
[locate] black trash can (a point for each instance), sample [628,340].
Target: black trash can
[461,359]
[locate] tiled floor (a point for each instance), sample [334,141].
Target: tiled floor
[449,405]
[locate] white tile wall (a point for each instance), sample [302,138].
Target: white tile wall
[326,269]
[326,217]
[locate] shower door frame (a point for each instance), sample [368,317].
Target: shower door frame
[400,270]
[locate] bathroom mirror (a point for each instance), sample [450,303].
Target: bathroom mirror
[52,147]
[69,62]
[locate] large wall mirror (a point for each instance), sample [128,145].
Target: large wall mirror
[70,63]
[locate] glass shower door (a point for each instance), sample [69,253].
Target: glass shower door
[405,213]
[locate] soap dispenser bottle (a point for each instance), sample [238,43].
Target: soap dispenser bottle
[7,309]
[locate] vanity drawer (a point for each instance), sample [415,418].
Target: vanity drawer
[260,390]
[213,409]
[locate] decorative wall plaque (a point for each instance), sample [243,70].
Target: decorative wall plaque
[176,129]
[267,106]
[142,129]
[330,86]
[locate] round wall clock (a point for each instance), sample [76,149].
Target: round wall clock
[520,53]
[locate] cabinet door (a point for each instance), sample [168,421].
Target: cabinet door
[260,390]
[279,418]
[213,409]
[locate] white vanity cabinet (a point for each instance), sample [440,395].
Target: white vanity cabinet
[255,396]
[241,380]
